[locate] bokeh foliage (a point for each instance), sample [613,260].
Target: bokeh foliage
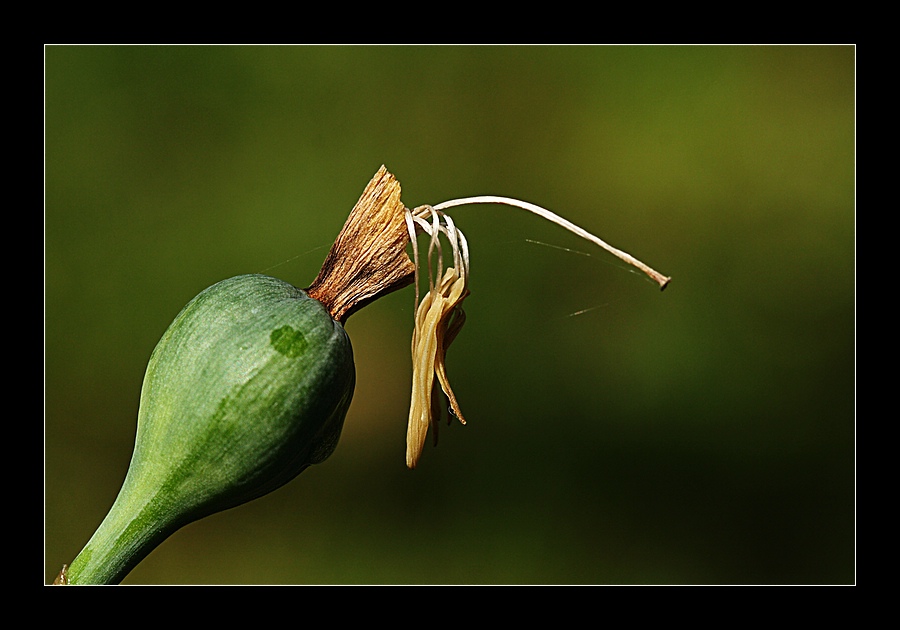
[701,435]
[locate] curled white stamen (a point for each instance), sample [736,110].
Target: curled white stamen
[434,223]
[660,279]
[411,228]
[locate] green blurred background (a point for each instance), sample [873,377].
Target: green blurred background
[701,435]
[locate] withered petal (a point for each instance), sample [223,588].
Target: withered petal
[437,324]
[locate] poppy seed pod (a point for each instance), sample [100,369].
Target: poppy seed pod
[248,386]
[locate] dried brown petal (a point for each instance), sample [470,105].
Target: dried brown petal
[368,258]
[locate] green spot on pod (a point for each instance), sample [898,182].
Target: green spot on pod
[248,386]
[288,341]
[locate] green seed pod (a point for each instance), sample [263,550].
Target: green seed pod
[248,386]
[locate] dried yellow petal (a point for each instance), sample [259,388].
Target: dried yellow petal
[439,317]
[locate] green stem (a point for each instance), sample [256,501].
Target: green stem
[126,536]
